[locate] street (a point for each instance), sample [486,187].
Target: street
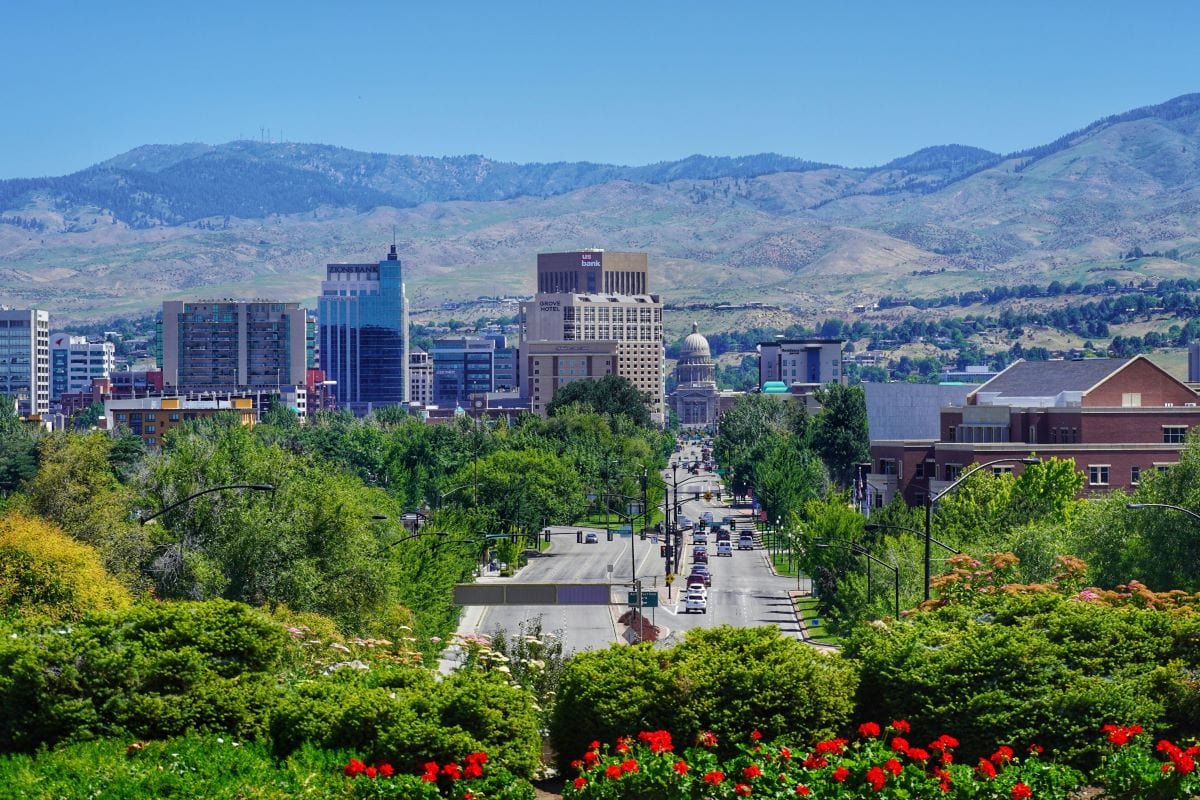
[744,592]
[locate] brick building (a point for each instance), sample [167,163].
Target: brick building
[1117,418]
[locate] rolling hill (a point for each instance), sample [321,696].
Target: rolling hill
[256,219]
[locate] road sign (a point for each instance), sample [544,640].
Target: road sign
[670,578]
[649,599]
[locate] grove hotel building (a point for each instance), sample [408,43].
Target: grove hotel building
[592,317]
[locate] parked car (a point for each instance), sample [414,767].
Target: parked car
[724,548]
[746,541]
[695,601]
[590,538]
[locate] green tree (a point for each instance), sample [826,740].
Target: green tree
[526,489]
[839,433]
[788,478]
[612,394]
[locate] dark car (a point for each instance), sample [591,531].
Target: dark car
[590,538]
[701,571]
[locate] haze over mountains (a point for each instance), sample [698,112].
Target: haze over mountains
[256,219]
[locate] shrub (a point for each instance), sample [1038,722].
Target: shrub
[718,680]
[405,717]
[44,571]
[1040,664]
[150,671]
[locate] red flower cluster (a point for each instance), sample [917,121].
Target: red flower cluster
[1182,761]
[657,741]
[1120,735]
[356,768]
[1021,792]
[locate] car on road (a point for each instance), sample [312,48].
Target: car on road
[590,538]
[707,516]
[724,549]
[723,535]
[695,601]
[699,537]
[701,570]
[700,558]
[746,541]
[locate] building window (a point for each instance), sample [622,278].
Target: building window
[919,470]
[952,471]
[1135,475]
[1131,399]
[1001,469]
[887,466]
[1174,434]
[1098,474]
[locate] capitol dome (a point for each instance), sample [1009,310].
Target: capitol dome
[695,345]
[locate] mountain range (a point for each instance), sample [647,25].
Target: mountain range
[259,219]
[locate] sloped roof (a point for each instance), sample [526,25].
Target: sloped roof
[1050,378]
[910,410]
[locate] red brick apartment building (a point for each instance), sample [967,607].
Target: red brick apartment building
[1117,418]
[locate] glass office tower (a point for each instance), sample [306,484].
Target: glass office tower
[364,333]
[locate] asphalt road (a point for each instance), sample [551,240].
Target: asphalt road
[744,592]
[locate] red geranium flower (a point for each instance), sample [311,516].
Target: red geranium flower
[831,746]
[590,757]
[877,778]
[943,742]
[1036,749]
[681,767]
[386,770]
[629,765]
[918,754]
[595,745]
[473,770]
[755,735]
[1021,792]
[580,783]
[751,771]
[868,730]
[985,769]
[657,741]
[613,771]
[892,766]
[707,739]
[801,789]
[355,767]
[815,762]
[714,777]
[840,774]
[1002,756]
[742,790]
[370,772]
[899,745]
[785,753]
[901,726]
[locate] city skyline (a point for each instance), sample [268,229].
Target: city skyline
[856,85]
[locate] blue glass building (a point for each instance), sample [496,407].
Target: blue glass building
[364,333]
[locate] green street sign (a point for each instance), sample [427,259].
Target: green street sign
[649,599]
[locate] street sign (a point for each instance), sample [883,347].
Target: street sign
[670,578]
[649,599]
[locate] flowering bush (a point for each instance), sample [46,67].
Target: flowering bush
[1132,772]
[470,779]
[880,762]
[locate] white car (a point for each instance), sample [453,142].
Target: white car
[695,601]
[724,549]
[746,541]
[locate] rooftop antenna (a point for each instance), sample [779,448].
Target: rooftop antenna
[393,237]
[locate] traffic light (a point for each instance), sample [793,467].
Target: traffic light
[662,551]
[697,493]
[610,534]
[578,537]
[642,535]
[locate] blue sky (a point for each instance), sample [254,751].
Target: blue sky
[853,83]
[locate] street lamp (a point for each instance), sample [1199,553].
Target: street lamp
[931,499]
[1187,511]
[261,487]
[862,551]
[877,526]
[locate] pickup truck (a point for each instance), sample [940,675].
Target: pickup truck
[746,541]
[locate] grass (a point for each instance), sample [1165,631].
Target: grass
[806,609]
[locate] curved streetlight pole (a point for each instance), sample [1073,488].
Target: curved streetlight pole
[862,551]
[261,487]
[1187,511]
[877,526]
[931,499]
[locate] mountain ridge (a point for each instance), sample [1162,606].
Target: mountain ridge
[262,218]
